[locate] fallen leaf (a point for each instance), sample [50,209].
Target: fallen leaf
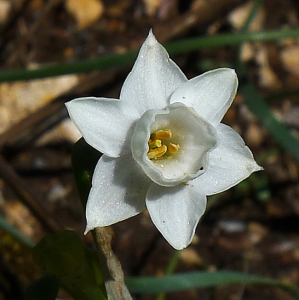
[20,99]
[85,12]
[290,59]
[5,7]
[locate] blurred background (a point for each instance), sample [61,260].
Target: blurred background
[252,228]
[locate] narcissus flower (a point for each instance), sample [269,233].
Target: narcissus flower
[163,145]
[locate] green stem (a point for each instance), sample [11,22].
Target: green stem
[170,268]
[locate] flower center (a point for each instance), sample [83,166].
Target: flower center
[172,145]
[160,146]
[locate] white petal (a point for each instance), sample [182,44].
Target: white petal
[153,78]
[194,136]
[176,211]
[118,191]
[210,94]
[229,163]
[104,123]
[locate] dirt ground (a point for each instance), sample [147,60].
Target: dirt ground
[253,227]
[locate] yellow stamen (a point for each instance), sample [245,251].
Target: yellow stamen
[163,134]
[157,152]
[154,143]
[172,148]
[158,148]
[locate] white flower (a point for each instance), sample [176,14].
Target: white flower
[163,145]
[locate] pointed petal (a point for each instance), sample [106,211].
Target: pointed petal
[153,78]
[229,163]
[176,211]
[210,94]
[104,123]
[118,191]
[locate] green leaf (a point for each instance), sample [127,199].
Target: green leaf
[46,288]
[187,281]
[63,255]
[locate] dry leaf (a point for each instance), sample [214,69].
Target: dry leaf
[85,12]
[151,6]
[5,7]
[19,99]
[239,16]
[290,59]
[254,135]
[191,257]
[267,76]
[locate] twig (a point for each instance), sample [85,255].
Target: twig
[205,13]
[13,179]
[114,281]
[37,123]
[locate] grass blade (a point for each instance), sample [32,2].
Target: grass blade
[117,60]
[196,280]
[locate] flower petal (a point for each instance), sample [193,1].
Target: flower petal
[176,211]
[153,78]
[104,123]
[229,163]
[210,94]
[118,191]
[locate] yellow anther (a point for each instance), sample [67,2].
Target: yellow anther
[154,143]
[163,134]
[158,147]
[172,148]
[157,152]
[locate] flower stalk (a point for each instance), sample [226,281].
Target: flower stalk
[114,275]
